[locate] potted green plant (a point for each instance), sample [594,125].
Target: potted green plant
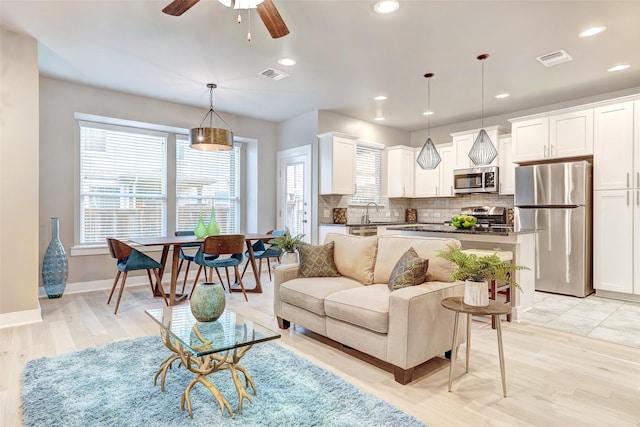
[478,271]
[289,244]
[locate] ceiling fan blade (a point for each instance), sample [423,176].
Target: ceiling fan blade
[178,7]
[272,19]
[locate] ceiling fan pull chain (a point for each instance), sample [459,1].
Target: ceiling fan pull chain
[249,19]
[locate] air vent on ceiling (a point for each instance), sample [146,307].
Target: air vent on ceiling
[273,74]
[554,58]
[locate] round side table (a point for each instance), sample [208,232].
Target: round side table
[494,309]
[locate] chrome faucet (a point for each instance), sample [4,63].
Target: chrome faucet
[365,218]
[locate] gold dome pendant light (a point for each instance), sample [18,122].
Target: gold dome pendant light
[429,158]
[483,151]
[211,138]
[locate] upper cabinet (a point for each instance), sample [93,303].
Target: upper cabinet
[400,166]
[507,171]
[553,136]
[463,141]
[614,153]
[337,163]
[436,182]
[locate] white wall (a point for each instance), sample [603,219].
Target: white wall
[19,224]
[328,121]
[59,100]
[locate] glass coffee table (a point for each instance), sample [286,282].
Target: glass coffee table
[207,347]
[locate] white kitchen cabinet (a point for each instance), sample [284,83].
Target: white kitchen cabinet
[616,204]
[553,136]
[323,230]
[463,141]
[613,155]
[530,139]
[571,134]
[400,170]
[507,171]
[337,158]
[615,244]
[436,182]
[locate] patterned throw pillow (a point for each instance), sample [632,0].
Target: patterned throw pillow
[317,261]
[410,270]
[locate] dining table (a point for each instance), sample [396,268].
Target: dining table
[176,242]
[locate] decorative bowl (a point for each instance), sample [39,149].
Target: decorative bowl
[463,221]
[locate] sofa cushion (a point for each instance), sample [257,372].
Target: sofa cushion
[410,270]
[317,261]
[367,307]
[310,293]
[355,256]
[391,248]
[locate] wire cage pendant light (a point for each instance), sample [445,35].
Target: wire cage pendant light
[211,138]
[483,152]
[429,158]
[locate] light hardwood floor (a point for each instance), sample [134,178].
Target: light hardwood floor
[554,378]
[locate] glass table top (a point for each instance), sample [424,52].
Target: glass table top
[201,338]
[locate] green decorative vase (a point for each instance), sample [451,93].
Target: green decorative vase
[212,228]
[201,230]
[208,302]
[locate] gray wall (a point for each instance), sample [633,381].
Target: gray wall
[59,100]
[328,121]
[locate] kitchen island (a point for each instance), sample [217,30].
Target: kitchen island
[521,243]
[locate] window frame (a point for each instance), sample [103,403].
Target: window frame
[377,196]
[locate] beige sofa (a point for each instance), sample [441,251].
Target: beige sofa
[405,327]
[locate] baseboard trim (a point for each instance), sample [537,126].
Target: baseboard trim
[19,318]
[618,295]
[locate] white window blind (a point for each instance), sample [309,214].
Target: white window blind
[203,178]
[368,175]
[123,182]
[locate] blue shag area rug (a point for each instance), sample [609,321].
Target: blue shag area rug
[112,385]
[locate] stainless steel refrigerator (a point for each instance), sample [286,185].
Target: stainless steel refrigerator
[555,199]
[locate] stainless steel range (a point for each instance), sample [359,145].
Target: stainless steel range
[488,216]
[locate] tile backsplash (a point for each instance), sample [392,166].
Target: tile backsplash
[433,210]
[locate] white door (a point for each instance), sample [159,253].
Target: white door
[294,191]
[613,147]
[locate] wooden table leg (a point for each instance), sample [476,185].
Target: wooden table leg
[157,292]
[256,274]
[468,340]
[502,369]
[454,351]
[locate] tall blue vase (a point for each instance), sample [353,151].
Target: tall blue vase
[55,268]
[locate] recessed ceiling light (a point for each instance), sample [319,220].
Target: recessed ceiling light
[380,98]
[619,68]
[379,119]
[502,95]
[386,6]
[287,61]
[592,31]
[428,113]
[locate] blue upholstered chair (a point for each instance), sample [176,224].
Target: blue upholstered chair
[130,259]
[260,252]
[227,244]
[188,256]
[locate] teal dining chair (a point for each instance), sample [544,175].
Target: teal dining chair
[227,244]
[130,259]
[260,252]
[188,256]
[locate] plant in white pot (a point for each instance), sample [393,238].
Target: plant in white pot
[478,271]
[288,244]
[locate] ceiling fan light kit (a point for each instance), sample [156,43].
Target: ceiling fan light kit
[482,152]
[428,158]
[266,10]
[211,138]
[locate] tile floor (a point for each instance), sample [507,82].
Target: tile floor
[593,316]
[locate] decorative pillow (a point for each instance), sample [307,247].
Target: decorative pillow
[410,270]
[317,261]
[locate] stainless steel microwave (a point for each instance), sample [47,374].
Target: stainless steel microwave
[483,179]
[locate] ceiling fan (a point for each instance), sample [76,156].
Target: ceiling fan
[266,9]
